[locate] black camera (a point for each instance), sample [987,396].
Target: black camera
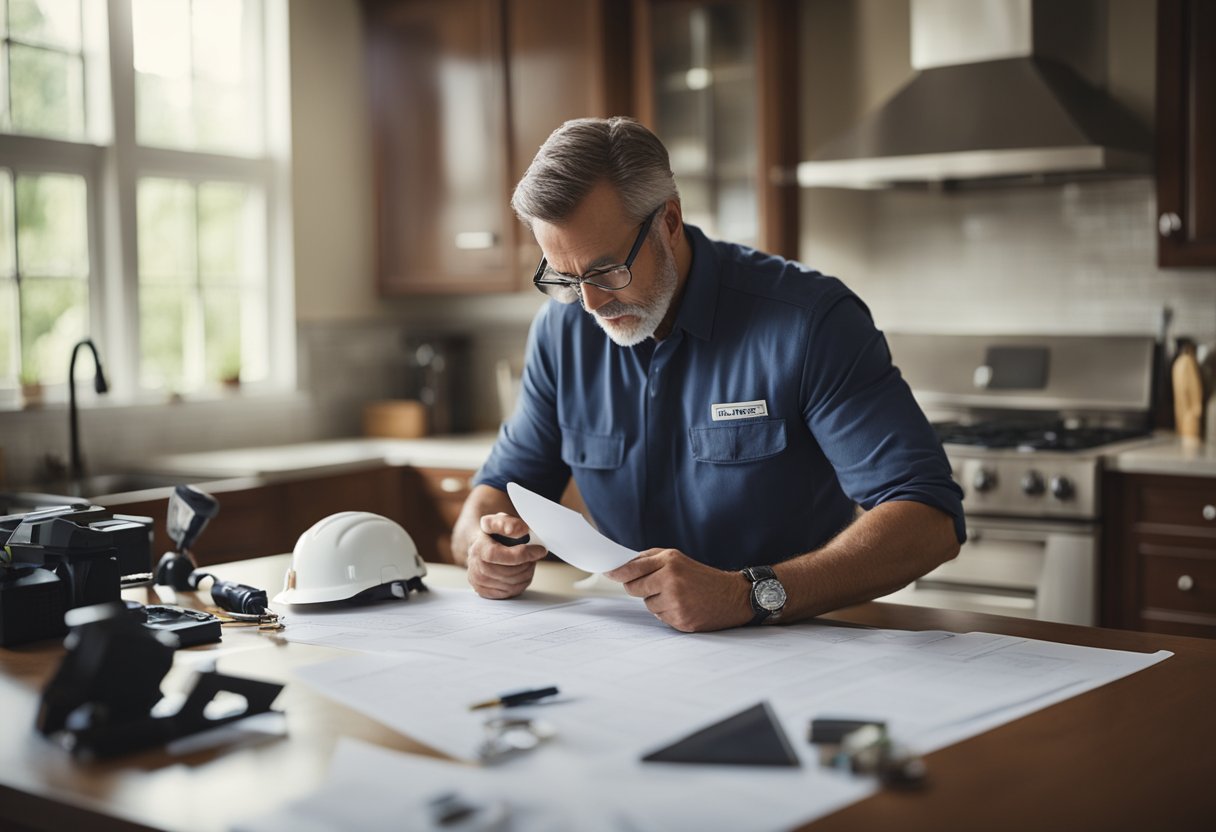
[60,558]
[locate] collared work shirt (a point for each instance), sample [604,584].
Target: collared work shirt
[743,438]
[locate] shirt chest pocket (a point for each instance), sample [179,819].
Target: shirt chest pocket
[746,442]
[591,450]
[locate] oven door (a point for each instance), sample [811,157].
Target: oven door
[1023,568]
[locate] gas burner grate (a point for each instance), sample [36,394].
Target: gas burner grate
[1031,436]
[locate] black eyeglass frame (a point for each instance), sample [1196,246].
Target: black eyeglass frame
[575,282]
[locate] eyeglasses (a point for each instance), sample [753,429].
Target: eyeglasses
[566,288]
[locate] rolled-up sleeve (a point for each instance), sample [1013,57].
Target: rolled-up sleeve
[528,447]
[864,417]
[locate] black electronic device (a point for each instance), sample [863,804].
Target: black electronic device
[101,697]
[190,509]
[190,626]
[233,597]
[60,558]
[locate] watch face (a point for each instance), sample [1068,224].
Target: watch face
[770,594]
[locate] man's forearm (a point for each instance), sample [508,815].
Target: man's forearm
[885,549]
[482,500]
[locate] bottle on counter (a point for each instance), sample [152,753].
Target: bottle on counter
[1188,392]
[1206,355]
[1163,359]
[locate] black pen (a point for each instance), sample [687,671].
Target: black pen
[510,700]
[510,541]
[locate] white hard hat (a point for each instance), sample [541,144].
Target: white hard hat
[350,553]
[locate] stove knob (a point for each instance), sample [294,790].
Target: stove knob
[984,480]
[1062,488]
[1032,484]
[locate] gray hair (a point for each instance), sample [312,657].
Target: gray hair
[586,151]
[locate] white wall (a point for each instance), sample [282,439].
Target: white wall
[331,164]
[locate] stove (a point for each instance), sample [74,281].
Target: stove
[1050,469]
[1055,435]
[1026,422]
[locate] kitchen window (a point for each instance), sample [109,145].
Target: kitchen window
[143,181]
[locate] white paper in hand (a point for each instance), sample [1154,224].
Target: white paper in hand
[567,533]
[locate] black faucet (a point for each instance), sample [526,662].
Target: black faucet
[76,465]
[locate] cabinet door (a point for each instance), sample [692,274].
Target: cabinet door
[309,500]
[567,59]
[439,126]
[1186,132]
[1159,569]
[435,497]
[717,82]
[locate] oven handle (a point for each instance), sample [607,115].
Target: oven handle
[1067,589]
[978,532]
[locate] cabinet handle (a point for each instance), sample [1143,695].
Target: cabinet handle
[452,485]
[1186,583]
[1169,224]
[1209,512]
[476,240]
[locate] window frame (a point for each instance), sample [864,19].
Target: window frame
[112,162]
[34,156]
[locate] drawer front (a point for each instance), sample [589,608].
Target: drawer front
[1188,505]
[447,484]
[1179,579]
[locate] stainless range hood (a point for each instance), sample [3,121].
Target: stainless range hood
[1005,89]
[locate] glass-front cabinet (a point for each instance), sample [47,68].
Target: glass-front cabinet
[714,85]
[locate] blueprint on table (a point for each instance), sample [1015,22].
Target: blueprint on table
[628,680]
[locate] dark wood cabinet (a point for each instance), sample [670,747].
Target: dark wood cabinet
[1186,132]
[568,59]
[717,82]
[268,518]
[436,497]
[437,79]
[462,94]
[1160,565]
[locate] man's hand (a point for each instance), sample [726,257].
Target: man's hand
[498,571]
[684,593]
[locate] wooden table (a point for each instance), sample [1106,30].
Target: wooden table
[1137,754]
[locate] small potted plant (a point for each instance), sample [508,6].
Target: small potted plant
[31,388]
[230,371]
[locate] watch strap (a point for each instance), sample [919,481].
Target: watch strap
[755,574]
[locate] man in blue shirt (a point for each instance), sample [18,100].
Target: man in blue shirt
[723,411]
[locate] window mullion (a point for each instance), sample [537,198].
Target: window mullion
[18,340]
[121,272]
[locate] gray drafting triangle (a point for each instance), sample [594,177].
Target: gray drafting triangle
[752,737]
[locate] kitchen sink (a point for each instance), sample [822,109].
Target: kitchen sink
[95,487]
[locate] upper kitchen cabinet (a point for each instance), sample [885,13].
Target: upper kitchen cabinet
[568,59]
[437,77]
[716,81]
[462,94]
[1186,132]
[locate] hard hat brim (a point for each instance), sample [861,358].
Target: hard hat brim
[322,595]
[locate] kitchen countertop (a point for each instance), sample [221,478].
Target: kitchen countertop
[1165,454]
[1169,455]
[466,451]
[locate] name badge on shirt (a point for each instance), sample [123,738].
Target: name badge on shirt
[738,410]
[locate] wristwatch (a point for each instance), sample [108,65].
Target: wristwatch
[768,593]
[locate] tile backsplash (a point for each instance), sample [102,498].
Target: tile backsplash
[1070,258]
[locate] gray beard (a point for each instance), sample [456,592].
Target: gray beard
[650,311]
